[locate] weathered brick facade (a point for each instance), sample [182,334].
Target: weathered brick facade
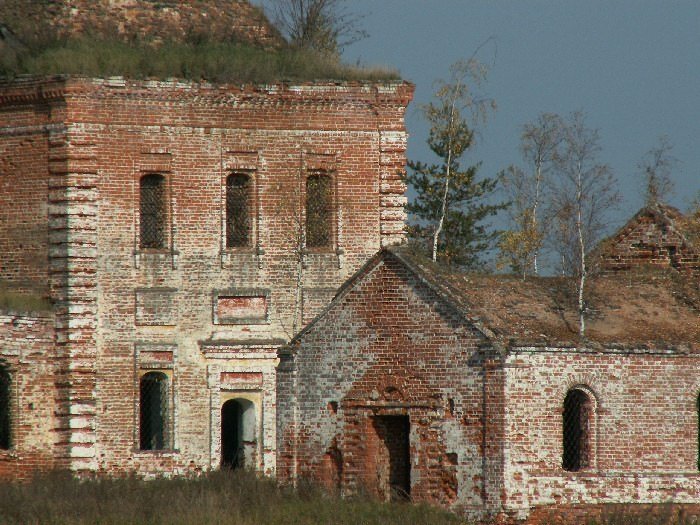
[470,375]
[658,235]
[198,319]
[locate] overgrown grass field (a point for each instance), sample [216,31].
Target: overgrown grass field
[238,498]
[227,497]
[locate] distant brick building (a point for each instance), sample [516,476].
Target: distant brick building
[476,392]
[658,235]
[181,232]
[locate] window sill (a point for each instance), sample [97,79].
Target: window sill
[169,452]
[242,254]
[8,454]
[156,255]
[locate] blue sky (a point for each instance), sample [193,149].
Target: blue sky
[633,66]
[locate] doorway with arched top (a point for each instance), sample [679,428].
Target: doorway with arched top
[238,434]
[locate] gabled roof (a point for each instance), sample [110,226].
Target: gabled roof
[658,310]
[676,228]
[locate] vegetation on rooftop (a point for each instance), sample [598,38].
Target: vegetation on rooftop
[41,45]
[210,61]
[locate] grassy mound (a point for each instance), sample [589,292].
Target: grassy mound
[211,61]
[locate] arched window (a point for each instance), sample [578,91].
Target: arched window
[577,430]
[319,211]
[154,411]
[238,210]
[152,210]
[5,397]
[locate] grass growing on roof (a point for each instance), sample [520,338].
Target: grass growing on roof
[211,61]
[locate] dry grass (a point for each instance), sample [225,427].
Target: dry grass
[211,61]
[226,497]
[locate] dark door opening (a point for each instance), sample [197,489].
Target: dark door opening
[231,445]
[394,469]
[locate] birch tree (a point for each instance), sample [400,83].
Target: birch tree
[451,202]
[583,192]
[520,246]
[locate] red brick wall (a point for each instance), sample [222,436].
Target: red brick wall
[645,428]
[387,348]
[196,136]
[647,241]
[87,159]
[24,188]
[27,349]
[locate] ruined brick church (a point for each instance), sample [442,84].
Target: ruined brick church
[224,287]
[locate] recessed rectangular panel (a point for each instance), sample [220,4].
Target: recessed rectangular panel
[155,307]
[241,307]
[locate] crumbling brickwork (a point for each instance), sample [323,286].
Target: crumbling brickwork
[26,354]
[207,317]
[644,442]
[413,364]
[145,20]
[658,236]
[389,350]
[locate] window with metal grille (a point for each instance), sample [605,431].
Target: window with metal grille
[153,216]
[238,210]
[319,211]
[578,412]
[5,391]
[154,411]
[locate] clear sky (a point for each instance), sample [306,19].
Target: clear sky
[633,66]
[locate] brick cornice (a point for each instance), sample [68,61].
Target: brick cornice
[23,90]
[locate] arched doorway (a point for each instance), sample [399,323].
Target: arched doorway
[238,434]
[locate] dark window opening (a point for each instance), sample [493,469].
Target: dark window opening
[154,415]
[578,412]
[319,211]
[238,210]
[152,211]
[394,462]
[5,390]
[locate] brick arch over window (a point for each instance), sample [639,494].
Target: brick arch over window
[5,407]
[577,429]
[239,206]
[319,211]
[154,411]
[152,211]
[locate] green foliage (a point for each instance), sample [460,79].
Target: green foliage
[451,202]
[465,236]
[226,497]
[516,248]
[211,61]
